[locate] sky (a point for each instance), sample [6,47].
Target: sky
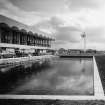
[65,20]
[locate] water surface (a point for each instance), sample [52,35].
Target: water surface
[64,76]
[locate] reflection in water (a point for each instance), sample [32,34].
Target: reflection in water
[83,68]
[64,77]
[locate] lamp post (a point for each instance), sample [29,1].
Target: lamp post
[84,38]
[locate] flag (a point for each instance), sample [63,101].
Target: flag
[83,35]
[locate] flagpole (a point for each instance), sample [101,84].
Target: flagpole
[84,44]
[84,38]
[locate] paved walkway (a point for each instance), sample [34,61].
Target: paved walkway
[98,89]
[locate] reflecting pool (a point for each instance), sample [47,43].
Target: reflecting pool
[64,76]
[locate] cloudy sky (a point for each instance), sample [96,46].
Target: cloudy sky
[63,19]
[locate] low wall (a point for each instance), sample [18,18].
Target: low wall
[20,60]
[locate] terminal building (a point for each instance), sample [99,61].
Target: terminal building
[21,42]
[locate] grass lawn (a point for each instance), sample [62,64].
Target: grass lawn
[100,60]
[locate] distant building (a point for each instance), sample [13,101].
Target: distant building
[90,51]
[75,51]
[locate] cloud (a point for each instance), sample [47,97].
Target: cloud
[49,26]
[55,26]
[52,22]
[12,11]
[82,4]
[96,34]
[43,6]
[70,34]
